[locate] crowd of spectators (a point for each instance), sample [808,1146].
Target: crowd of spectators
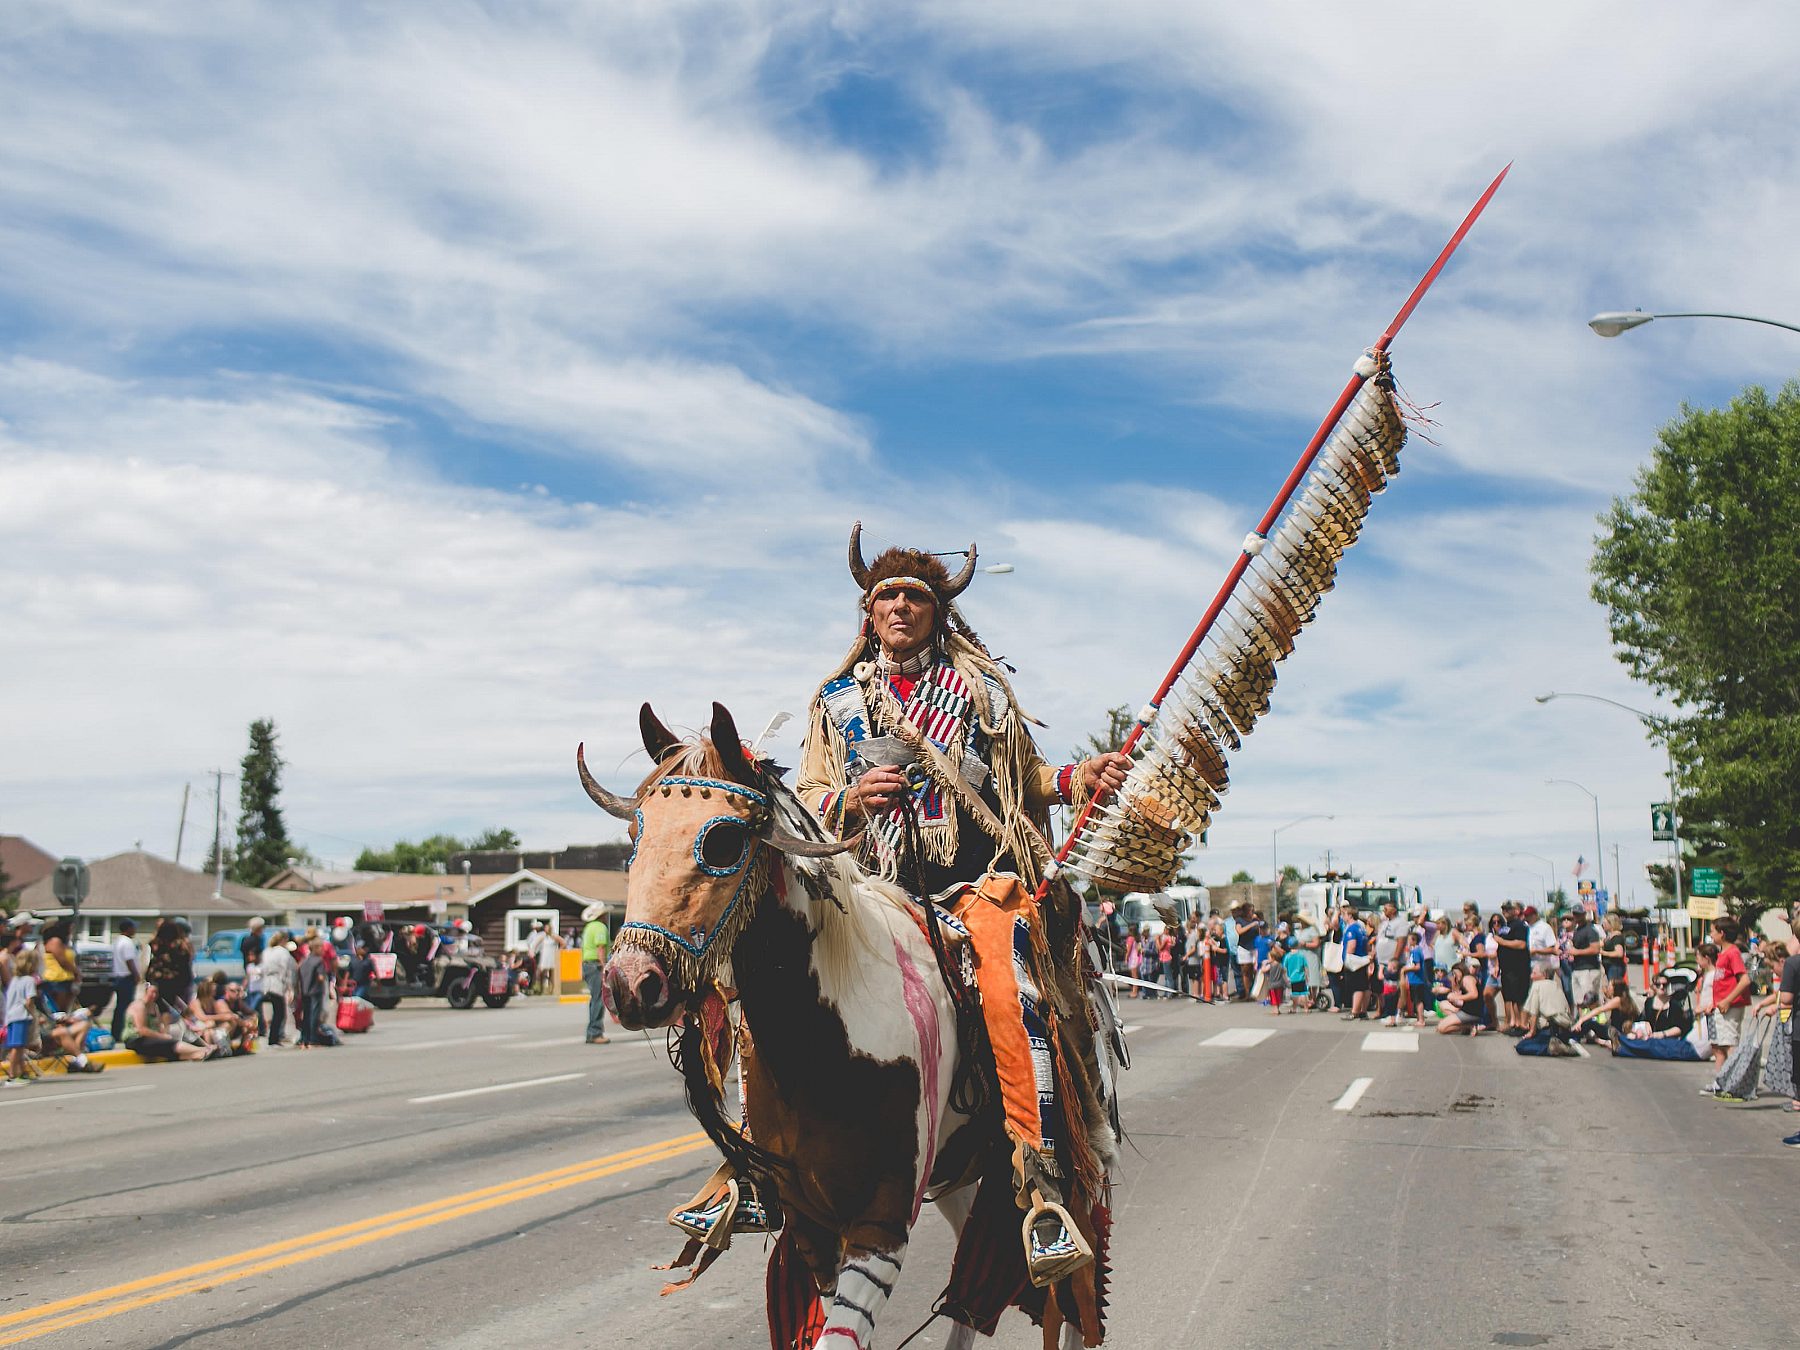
[38,1001]
[1548,984]
[160,1010]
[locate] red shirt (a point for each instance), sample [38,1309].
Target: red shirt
[1730,970]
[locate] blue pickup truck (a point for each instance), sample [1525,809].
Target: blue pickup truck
[221,953]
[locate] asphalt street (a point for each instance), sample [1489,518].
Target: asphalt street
[467,1179]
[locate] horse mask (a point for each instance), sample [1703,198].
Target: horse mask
[704,835]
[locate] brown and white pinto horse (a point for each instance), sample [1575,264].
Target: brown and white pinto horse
[852,1045]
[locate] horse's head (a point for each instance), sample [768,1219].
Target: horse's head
[704,828]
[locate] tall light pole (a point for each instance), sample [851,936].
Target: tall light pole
[1614,322]
[1599,862]
[1549,868]
[1658,726]
[1274,858]
[1532,873]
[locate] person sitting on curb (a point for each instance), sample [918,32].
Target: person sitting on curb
[1462,996]
[1662,1029]
[1605,1020]
[146,1031]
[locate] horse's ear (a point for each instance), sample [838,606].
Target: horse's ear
[730,746]
[657,738]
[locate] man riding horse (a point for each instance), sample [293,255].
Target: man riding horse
[918,750]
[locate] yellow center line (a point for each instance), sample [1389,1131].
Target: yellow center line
[110,1302]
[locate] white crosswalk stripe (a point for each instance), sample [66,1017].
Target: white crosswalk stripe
[1392,1042]
[1237,1038]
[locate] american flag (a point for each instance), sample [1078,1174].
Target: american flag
[1580,866]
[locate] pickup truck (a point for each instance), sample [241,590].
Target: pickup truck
[221,953]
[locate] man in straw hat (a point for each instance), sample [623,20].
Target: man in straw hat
[918,747]
[594,943]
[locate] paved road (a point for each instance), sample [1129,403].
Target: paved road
[478,1178]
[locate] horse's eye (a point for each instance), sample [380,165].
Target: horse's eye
[721,845]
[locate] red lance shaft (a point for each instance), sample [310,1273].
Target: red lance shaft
[1267,523]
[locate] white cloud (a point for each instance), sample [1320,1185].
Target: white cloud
[570,230]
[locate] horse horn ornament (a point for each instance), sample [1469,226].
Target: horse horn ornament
[760,940]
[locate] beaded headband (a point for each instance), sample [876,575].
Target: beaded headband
[898,583]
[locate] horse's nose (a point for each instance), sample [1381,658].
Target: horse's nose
[637,990]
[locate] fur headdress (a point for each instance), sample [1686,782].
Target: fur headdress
[911,565]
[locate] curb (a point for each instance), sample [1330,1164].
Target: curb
[112,1059]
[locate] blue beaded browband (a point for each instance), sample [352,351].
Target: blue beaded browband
[760,798]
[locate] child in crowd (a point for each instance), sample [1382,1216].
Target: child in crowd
[1299,992]
[1274,977]
[1416,965]
[20,992]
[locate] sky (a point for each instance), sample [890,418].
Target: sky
[443,380]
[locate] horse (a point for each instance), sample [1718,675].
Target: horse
[851,1048]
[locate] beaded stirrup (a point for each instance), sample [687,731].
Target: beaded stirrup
[1054,1247]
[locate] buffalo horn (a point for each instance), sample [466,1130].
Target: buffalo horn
[960,582]
[807,848]
[859,570]
[606,801]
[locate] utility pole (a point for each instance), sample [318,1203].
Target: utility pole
[181,829]
[218,834]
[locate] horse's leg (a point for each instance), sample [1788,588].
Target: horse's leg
[956,1206]
[864,1283]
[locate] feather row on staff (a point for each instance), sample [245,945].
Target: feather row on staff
[1136,840]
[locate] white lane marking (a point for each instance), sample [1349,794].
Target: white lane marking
[554,1040]
[1392,1042]
[454,1040]
[75,1093]
[1128,1028]
[1352,1095]
[1237,1038]
[498,1087]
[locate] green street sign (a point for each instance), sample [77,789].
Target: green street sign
[1706,881]
[1662,821]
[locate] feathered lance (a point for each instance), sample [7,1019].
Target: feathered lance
[1253,544]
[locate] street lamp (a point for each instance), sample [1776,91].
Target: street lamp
[1614,322]
[1526,871]
[1599,862]
[1549,867]
[1659,726]
[1274,860]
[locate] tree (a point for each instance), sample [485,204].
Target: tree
[1289,885]
[263,847]
[433,854]
[1240,876]
[1697,569]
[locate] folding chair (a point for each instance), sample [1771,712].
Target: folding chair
[42,1051]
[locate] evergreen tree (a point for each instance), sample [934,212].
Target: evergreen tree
[263,847]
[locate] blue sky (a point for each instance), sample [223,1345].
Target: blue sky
[444,380]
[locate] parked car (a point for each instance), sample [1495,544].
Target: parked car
[93,962]
[221,953]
